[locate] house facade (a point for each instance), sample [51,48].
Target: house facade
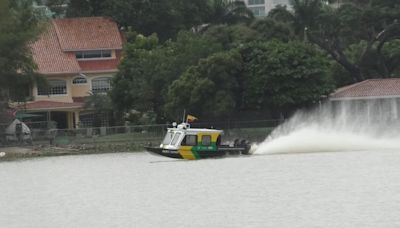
[376,99]
[260,8]
[79,57]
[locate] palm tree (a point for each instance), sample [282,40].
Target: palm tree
[229,12]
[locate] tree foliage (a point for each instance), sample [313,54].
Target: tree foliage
[335,29]
[261,75]
[18,27]
[102,106]
[208,89]
[232,36]
[149,67]
[213,57]
[229,12]
[284,75]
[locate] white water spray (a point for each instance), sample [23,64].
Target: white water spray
[338,126]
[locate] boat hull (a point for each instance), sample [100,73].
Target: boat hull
[164,152]
[182,154]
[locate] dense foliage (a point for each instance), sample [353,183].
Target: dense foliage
[208,89]
[213,58]
[287,60]
[284,75]
[142,84]
[18,27]
[370,25]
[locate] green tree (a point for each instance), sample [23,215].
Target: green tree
[163,17]
[86,8]
[229,12]
[284,76]
[231,36]
[57,7]
[210,89]
[335,29]
[148,68]
[272,29]
[18,27]
[281,13]
[102,106]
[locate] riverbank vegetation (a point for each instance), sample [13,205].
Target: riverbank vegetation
[19,26]
[215,59]
[288,60]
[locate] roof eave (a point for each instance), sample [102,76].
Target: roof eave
[59,73]
[363,98]
[92,49]
[54,108]
[100,71]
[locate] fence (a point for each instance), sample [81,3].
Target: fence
[125,138]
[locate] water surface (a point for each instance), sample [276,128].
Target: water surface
[346,189]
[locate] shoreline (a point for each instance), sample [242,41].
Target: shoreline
[15,153]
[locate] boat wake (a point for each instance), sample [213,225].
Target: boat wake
[332,130]
[317,140]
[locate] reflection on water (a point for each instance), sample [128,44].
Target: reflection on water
[354,189]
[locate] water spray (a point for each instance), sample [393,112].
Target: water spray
[351,125]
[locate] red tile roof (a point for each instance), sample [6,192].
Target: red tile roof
[49,57]
[51,51]
[372,88]
[50,105]
[88,33]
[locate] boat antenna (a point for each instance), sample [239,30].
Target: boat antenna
[184,115]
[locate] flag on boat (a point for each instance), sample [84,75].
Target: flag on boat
[190,118]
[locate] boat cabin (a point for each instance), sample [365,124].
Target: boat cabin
[192,143]
[195,143]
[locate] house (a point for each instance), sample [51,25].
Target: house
[78,56]
[378,99]
[260,8]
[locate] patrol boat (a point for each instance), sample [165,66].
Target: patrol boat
[183,142]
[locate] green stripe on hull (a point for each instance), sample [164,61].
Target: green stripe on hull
[200,151]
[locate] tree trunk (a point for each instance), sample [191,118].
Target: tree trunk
[334,50]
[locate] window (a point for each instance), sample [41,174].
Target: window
[256,2]
[176,137]
[190,140]
[55,87]
[281,2]
[206,140]
[258,11]
[168,138]
[93,54]
[79,80]
[101,85]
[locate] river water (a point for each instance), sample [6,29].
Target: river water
[342,189]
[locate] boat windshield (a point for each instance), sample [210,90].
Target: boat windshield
[176,137]
[168,138]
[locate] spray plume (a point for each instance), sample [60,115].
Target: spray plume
[337,126]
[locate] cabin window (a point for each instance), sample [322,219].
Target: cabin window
[175,139]
[168,138]
[206,140]
[190,140]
